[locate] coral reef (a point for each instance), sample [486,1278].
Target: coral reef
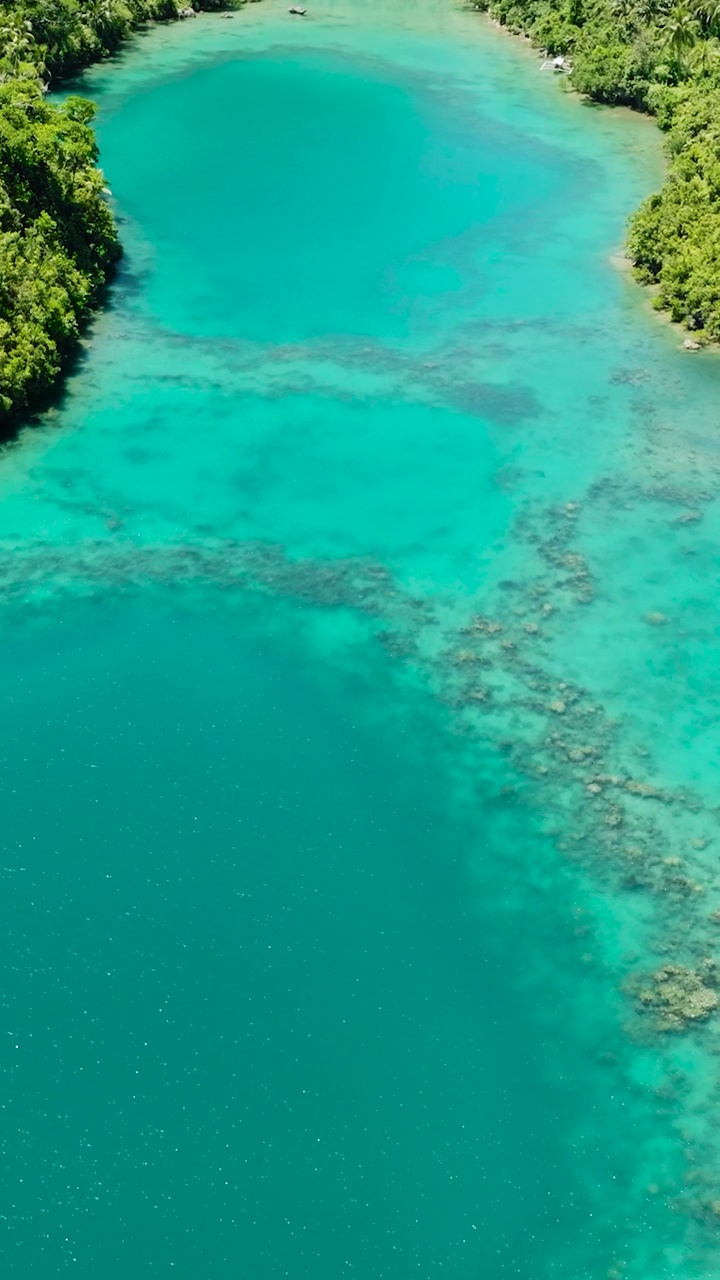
[677,995]
[492,662]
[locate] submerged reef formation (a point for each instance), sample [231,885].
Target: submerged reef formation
[358,584]
[496,664]
[677,995]
[603,799]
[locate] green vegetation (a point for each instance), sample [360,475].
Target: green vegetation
[58,243]
[660,56]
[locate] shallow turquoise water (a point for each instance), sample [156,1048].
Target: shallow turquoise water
[316,936]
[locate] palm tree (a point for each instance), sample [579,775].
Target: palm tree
[708,14]
[681,30]
[704,58]
[99,15]
[19,54]
[16,42]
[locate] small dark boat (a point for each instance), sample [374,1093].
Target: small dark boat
[300,13]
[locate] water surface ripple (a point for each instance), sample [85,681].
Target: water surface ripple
[360,746]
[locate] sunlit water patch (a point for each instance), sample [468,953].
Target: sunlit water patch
[359,637]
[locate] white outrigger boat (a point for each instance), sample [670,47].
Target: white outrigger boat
[558,63]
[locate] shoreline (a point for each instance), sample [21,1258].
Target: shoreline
[617,258]
[60,248]
[48,397]
[620,262]
[505,655]
[663,313]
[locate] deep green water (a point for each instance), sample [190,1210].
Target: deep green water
[315,938]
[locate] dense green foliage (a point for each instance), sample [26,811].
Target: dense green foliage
[675,236]
[661,56]
[58,244]
[69,34]
[57,239]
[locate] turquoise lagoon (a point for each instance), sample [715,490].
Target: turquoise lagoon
[359,691]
